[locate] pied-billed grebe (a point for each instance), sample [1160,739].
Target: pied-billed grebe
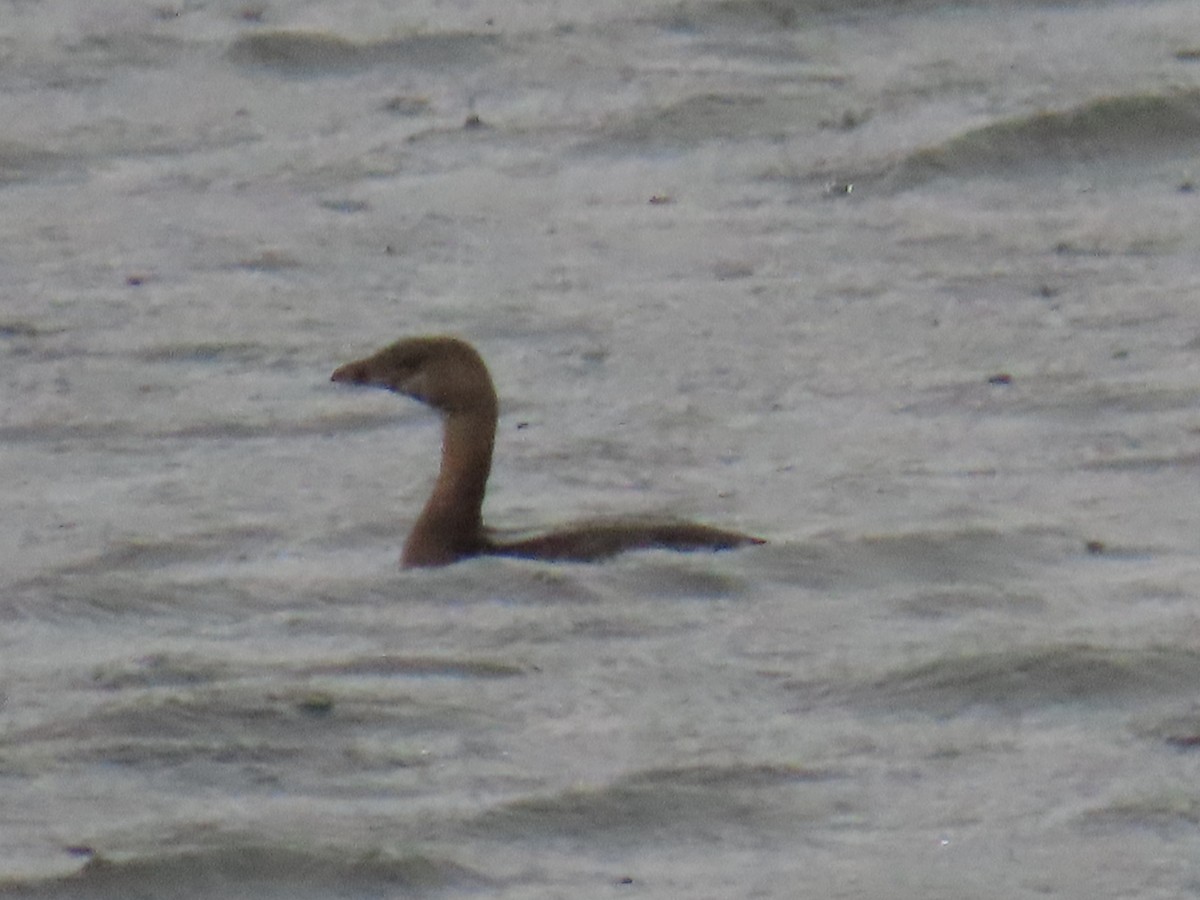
[449,375]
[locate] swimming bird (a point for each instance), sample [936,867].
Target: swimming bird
[449,375]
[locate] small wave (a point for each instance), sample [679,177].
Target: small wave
[666,802]
[755,14]
[123,432]
[930,559]
[157,670]
[664,575]
[762,775]
[318,53]
[1154,463]
[772,15]
[231,726]
[1140,128]
[417,666]
[23,162]
[211,352]
[1028,678]
[242,869]
[295,52]
[1063,396]
[707,117]
[143,555]
[508,581]
[946,603]
[1176,812]
[123,47]
[15,328]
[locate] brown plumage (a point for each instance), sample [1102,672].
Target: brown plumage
[449,375]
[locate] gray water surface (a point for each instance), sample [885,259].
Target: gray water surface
[909,289]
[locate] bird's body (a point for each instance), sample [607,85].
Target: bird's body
[449,375]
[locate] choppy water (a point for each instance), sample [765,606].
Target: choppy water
[908,289]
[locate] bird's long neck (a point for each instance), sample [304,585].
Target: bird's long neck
[451,525]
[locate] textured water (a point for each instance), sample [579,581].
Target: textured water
[906,288]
